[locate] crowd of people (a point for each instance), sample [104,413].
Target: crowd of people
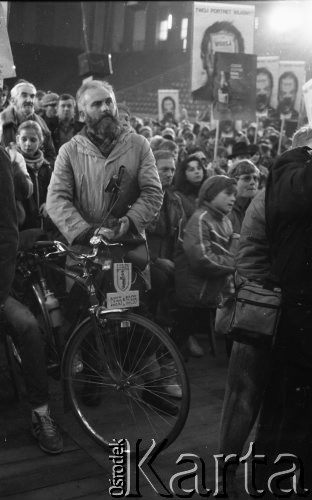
[191,198]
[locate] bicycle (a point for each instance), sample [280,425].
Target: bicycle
[113,363]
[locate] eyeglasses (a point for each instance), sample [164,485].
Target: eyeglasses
[248,178]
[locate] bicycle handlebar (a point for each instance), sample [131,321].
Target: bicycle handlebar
[95,241]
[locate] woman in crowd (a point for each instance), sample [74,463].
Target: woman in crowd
[188,181]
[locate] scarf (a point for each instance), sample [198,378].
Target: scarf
[34,162]
[107,144]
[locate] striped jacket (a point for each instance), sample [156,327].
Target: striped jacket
[204,260]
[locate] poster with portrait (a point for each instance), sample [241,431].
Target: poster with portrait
[267,79]
[168,102]
[234,86]
[7,68]
[292,76]
[307,97]
[217,27]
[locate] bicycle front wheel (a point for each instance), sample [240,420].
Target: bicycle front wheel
[125,379]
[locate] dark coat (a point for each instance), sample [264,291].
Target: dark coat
[238,213]
[40,177]
[162,234]
[56,133]
[288,211]
[8,226]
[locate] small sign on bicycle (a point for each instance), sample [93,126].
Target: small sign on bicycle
[122,299]
[122,276]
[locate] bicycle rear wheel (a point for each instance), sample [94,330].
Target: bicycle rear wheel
[117,376]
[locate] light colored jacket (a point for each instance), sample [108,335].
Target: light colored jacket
[77,200]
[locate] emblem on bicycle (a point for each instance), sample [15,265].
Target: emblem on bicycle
[122,276]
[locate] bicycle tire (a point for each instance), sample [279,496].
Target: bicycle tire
[116,360]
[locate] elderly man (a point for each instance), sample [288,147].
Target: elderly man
[66,126]
[21,108]
[78,201]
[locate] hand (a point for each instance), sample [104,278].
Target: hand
[109,234]
[12,150]
[123,228]
[42,210]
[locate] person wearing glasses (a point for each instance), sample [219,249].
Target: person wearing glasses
[247,176]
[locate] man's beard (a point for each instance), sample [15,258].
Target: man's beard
[104,128]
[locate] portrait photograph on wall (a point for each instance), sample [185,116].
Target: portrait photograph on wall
[168,103]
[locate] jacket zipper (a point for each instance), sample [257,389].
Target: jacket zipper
[38,200]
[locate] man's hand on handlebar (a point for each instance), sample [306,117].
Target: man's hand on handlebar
[117,233]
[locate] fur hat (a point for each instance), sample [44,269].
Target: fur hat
[213,186]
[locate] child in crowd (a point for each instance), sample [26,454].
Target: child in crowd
[204,261]
[29,140]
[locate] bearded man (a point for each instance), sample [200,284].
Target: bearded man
[79,200]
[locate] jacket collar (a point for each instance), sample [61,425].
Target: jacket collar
[215,212]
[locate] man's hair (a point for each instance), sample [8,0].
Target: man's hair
[288,74]
[15,89]
[220,26]
[167,98]
[66,97]
[156,142]
[169,145]
[162,154]
[190,136]
[31,125]
[266,72]
[302,136]
[93,84]
[243,167]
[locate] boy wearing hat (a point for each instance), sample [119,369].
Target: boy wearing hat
[204,261]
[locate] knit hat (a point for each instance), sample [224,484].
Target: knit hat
[49,98]
[168,133]
[213,186]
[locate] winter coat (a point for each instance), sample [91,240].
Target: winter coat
[253,256]
[9,124]
[188,202]
[40,173]
[203,260]
[288,212]
[238,213]
[75,128]
[8,227]
[162,234]
[77,200]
